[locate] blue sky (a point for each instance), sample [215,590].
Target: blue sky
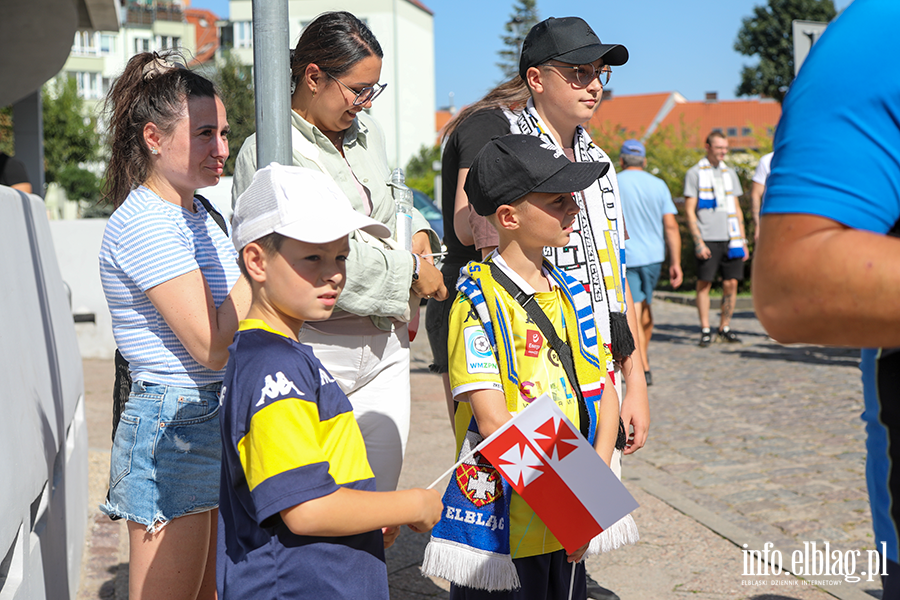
[685,46]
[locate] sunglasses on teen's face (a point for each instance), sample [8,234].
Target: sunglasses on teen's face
[585,74]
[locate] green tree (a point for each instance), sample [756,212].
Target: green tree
[7,144]
[70,140]
[420,169]
[523,18]
[767,34]
[235,83]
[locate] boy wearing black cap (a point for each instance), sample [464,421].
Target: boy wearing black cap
[501,357]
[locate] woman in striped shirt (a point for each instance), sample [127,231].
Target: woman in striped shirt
[175,295]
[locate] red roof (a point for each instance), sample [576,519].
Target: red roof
[639,115]
[205,32]
[634,113]
[422,6]
[441,118]
[742,121]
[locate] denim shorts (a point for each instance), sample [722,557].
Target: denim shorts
[166,458]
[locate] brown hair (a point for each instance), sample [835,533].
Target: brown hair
[512,94]
[151,89]
[715,133]
[270,244]
[335,42]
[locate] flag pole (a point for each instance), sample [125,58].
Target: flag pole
[465,457]
[572,580]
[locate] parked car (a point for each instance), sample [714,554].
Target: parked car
[430,210]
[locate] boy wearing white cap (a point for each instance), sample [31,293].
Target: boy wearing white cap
[299,516]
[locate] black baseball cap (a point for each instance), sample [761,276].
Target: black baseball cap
[569,40]
[510,167]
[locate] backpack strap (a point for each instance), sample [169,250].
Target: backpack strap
[216,215]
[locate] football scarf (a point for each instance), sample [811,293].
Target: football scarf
[595,255]
[711,196]
[470,545]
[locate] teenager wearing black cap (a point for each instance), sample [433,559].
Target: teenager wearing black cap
[562,71]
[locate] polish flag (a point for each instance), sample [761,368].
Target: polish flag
[561,477]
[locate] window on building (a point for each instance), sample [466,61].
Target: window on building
[746,132]
[731,132]
[717,129]
[107,43]
[167,42]
[141,45]
[243,34]
[90,85]
[85,43]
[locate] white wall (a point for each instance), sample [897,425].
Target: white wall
[77,245]
[43,435]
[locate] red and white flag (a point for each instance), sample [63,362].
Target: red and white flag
[557,472]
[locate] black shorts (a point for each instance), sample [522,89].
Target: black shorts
[543,577]
[437,325]
[732,268]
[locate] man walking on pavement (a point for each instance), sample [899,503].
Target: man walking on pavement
[650,214]
[716,223]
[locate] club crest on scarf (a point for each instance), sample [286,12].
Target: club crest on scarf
[478,481]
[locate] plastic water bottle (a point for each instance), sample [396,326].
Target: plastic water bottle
[403,198]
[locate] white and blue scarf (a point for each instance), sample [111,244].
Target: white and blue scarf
[711,196]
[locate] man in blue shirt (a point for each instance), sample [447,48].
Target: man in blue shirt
[650,216]
[827,266]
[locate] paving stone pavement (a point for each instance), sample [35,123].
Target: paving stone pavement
[749,444]
[769,435]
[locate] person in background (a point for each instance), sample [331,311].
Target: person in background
[336,68]
[170,276]
[827,263]
[13,173]
[716,223]
[650,214]
[758,189]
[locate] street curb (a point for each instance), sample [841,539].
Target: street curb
[648,477]
[742,302]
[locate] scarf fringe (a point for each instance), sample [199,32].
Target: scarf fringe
[469,567]
[621,340]
[624,531]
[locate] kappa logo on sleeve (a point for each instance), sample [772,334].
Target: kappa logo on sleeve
[325,377]
[479,355]
[274,388]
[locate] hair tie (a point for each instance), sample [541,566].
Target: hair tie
[157,66]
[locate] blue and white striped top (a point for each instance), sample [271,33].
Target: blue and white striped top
[149,241]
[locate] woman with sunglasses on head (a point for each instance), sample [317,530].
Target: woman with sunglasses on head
[175,294]
[336,67]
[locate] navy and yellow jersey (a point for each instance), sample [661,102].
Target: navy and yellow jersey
[289,436]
